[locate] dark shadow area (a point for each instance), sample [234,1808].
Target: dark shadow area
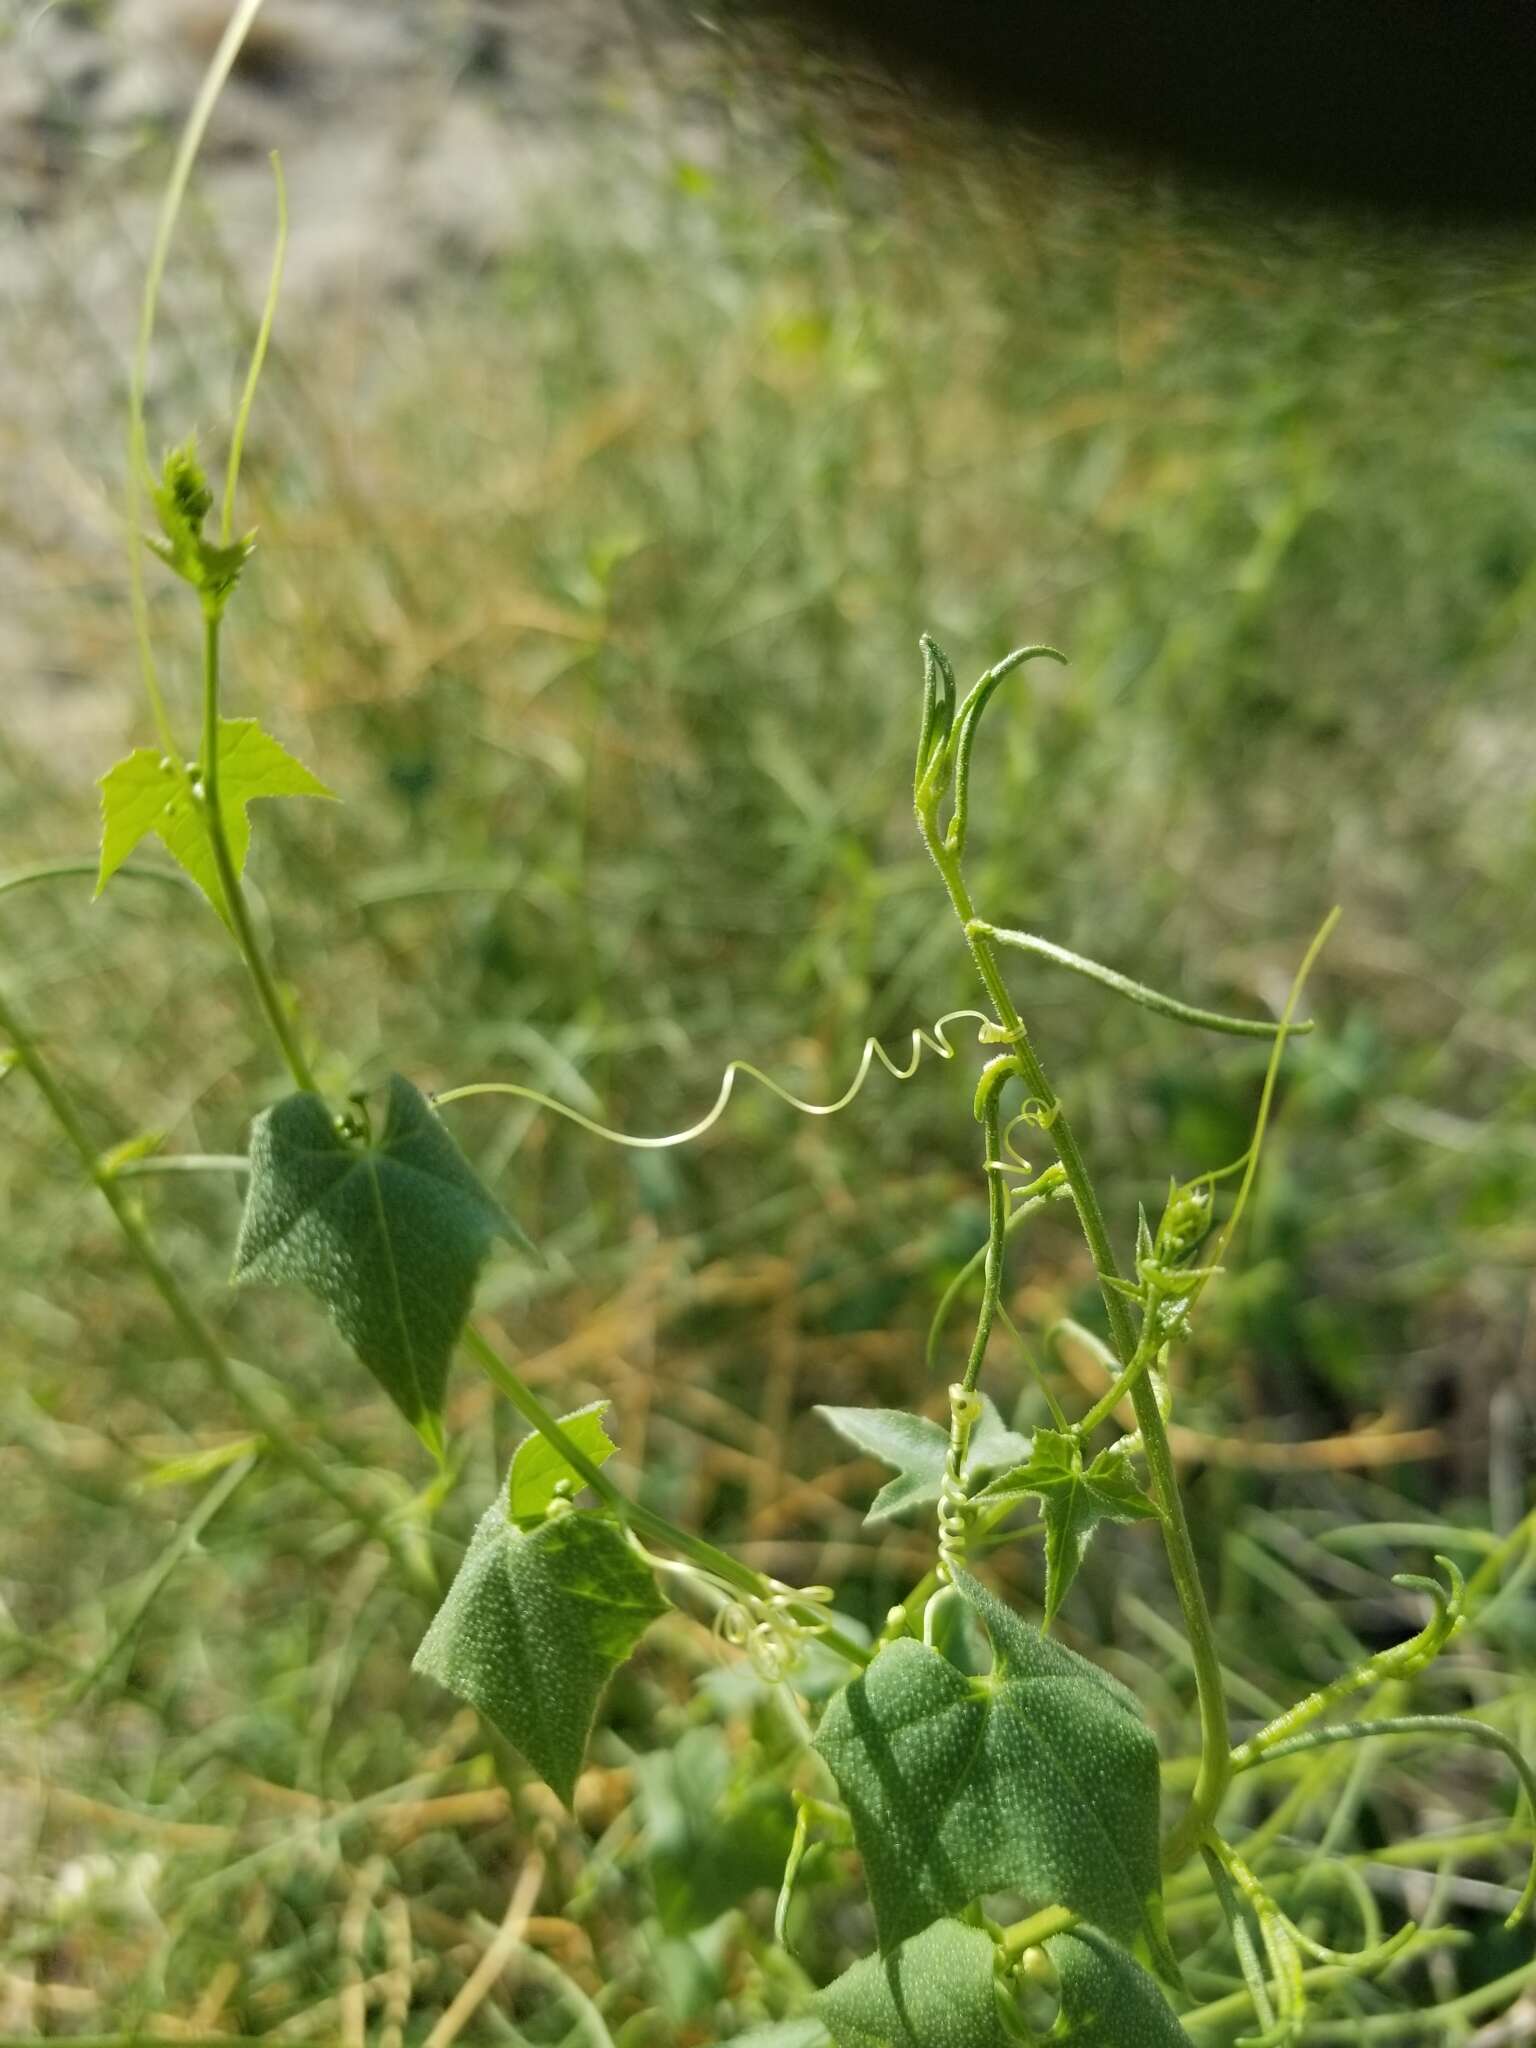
[1424,106]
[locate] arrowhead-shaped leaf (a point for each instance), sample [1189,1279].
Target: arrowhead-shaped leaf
[1107,1999]
[538,1468]
[937,1990]
[391,1236]
[1074,1499]
[534,1626]
[1040,1779]
[144,793]
[917,1448]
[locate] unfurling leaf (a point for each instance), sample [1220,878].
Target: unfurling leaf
[183,501]
[145,792]
[938,1990]
[538,1468]
[1107,1999]
[1040,1779]
[391,1236]
[1074,1499]
[917,1449]
[534,1626]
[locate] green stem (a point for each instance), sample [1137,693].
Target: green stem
[1138,992]
[1431,2019]
[1215,1738]
[63,870]
[199,1338]
[643,1520]
[1027,1202]
[1039,1927]
[1457,1725]
[229,877]
[997,1226]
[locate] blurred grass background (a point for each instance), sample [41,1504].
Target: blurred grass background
[590,577]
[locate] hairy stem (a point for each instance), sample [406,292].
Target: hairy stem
[643,1520]
[1037,1928]
[1215,1739]
[229,879]
[200,1339]
[997,1226]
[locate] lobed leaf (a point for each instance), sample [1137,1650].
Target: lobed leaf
[390,1236]
[533,1627]
[1074,1499]
[938,1990]
[145,792]
[1040,1779]
[538,1468]
[917,1448]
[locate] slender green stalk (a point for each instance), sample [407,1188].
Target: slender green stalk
[200,1339]
[229,877]
[1438,1725]
[1138,992]
[1037,1928]
[186,1536]
[1027,1202]
[64,870]
[258,357]
[1485,1579]
[236,30]
[997,1227]
[1395,1664]
[1125,1383]
[1215,1738]
[1432,2020]
[643,1520]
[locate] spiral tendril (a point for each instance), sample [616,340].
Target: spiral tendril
[770,1630]
[954,1519]
[935,1041]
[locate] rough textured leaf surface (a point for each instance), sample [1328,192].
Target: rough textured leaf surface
[917,1449]
[538,1468]
[534,1626]
[1040,1779]
[391,1236]
[1107,1999]
[935,1991]
[143,793]
[1074,1499]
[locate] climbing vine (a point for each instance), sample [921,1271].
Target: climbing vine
[970,1757]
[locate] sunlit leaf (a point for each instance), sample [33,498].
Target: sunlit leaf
[390,1235]
[145,792]
[1074,1499]
[533,1627]
[917,1449]
[1040,1779]
[538,1468]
